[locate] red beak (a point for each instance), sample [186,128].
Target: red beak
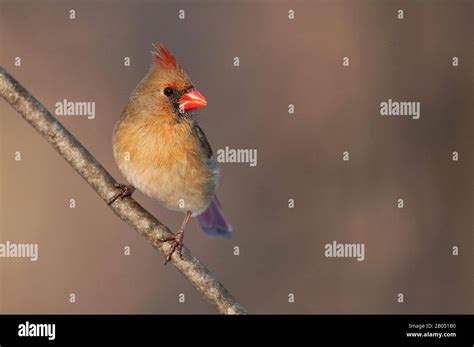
[191,100]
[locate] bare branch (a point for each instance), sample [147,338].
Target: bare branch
[102,182]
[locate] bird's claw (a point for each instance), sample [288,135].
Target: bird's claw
[176,246]
[123,191]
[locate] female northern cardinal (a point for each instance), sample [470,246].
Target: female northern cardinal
[163,152]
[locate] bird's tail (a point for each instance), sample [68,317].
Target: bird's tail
[213,222]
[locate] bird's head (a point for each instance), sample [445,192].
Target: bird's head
[169,87]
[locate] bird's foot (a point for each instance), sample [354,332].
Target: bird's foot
[123,191]
[177,245]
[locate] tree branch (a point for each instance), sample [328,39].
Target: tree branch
[102,182]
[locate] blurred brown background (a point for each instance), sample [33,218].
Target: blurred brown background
[282,61]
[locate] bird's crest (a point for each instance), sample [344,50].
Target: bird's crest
[162,56]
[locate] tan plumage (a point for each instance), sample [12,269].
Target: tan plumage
[163,152]
[159,153]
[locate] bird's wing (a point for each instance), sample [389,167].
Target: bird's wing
[202,140]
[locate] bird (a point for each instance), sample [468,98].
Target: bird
[162,151]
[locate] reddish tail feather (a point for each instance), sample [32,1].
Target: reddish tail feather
[213,222]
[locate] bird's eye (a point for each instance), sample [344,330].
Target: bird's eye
[168,91]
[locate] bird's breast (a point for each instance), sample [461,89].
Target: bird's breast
[167,163]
